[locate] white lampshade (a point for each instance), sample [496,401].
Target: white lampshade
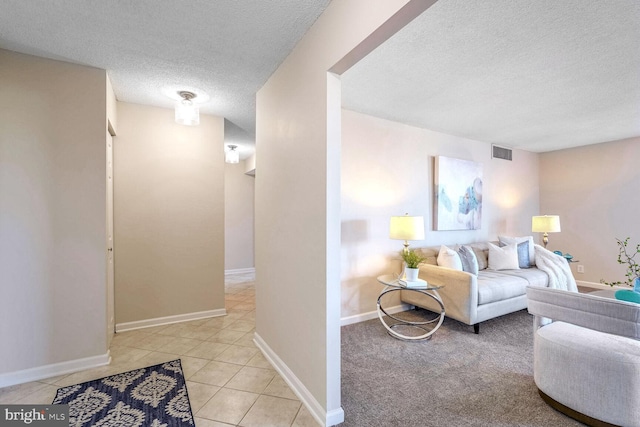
[406,228]
[232,155]
[545,224]
[186,112]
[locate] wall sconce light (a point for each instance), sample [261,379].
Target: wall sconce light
[545,224]
[186,112]
[232,155]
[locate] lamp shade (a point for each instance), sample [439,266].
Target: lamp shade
[406,228]
[545,224]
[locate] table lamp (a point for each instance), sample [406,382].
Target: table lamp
[406,228]
[545,224]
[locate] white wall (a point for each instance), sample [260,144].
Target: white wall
[387,170]
[169,215]
[298,197]
[239,189]
[594,189]
[250,165]
[112,109]
[52,215]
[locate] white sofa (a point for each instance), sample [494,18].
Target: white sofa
[587,355]
[473,299]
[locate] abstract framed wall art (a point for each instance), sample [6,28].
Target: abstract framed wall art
[458,193]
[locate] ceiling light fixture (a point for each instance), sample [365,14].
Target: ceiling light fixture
[186,112]
[232,155]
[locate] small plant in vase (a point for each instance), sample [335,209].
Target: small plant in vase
[413,261]
[633,269]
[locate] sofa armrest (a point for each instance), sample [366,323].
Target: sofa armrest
[589,311]
[459,292]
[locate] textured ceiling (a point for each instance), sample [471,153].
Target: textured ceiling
[537,75]
[225,49]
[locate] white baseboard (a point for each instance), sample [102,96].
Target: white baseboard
[357,318]
[53,370]
[158,321]
[240,271]
[599,285]
[325,418]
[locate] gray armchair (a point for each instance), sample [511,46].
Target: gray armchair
[587,355]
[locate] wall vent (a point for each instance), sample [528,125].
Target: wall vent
[498,152]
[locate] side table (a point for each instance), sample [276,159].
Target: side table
[392,284]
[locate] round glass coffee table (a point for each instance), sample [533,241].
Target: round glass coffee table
[392,284]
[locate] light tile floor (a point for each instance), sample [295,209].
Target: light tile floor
[229,381]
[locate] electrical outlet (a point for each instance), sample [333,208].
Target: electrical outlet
[581,269]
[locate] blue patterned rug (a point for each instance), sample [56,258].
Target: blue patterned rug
[154,396]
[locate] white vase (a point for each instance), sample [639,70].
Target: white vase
[411,274]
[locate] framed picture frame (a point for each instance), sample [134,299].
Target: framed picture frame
[458,194]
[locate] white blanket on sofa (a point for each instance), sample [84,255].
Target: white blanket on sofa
[557,268]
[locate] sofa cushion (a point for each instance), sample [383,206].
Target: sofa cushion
[495,286]
[534,276]
[449,258]
[468,259]
[481,257]
[503,258]
[430,255]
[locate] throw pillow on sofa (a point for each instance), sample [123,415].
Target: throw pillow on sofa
[529,239]
[523,254]
[503,258]
[447,257]
[468,259]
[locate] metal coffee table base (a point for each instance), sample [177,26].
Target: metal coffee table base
[402,323]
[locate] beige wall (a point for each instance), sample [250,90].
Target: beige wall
[387,170]
[238,217]
[169,214]
[594,189]
[52,212]
[298,198]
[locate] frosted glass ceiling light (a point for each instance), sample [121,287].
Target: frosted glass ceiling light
[232,155]
[186,112]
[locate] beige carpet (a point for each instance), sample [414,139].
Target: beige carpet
[456,379]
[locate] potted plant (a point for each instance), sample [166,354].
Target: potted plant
[633,269]
[413,260]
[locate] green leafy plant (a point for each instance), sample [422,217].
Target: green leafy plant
[412,258]
[624,257]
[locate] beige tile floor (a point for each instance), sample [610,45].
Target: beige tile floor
[229,381]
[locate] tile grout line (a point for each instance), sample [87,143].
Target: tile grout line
[134,347]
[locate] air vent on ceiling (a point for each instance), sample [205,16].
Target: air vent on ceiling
[498,152]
